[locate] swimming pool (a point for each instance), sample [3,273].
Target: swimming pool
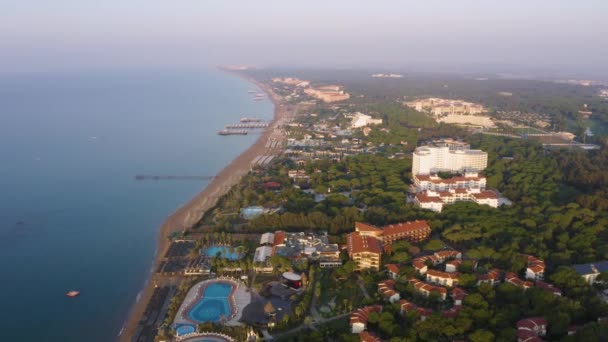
[226,252]
[214,303]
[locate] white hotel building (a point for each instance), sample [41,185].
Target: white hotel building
[447,158]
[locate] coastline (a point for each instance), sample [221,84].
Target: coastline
[189,214]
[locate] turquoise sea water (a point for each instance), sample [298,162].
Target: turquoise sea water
[213,305]
[224,252]
[72,217]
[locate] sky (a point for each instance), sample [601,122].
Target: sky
[91,34]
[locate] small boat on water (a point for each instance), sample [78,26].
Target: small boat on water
[73,294]
[252,91]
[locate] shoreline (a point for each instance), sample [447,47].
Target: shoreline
[190,213]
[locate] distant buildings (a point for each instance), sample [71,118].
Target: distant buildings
[453,111]
[447,156]
[590,271]
[387,75]
[329,93]
[359,120]
[292,81]
[439,107]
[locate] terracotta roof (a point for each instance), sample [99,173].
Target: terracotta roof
[404,227]
[358,243]
[425,287]
[392,268]
[364,227]
[442,255]
[279,238]
[440,274]
[423,197]
[491,275]
[514,279]
[366,336]
[361,315]
[532,323]
[458,293]
[535,264]
[451,180]
[487,194]
[407,306]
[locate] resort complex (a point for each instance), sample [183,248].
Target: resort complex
[361,222]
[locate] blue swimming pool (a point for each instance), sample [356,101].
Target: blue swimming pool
[226,252]
[213,305]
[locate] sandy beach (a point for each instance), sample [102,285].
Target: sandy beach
[191,213]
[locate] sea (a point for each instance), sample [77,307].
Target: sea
[72,215]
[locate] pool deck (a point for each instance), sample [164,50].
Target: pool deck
[238,299]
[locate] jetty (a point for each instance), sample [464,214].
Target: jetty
[171,177]
[233,132]
[248,125]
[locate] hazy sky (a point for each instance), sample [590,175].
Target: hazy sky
[77,34]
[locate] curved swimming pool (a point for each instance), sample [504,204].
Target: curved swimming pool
[214,303]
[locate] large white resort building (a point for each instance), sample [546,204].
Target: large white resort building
[447,156]
[451,156]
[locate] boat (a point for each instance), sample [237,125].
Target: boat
[73,294]
[252,91]
[258,98]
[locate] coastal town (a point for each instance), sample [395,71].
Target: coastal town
[351,222]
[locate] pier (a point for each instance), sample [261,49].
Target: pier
[248,125]
[233,132]
[171,177]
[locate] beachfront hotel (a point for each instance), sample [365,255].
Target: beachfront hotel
[364,250]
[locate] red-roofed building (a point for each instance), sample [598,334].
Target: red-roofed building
[442,278]
[367,336]
[458,295]
[535,269]
[529,329]
[359,317]
[279,238]
[413,231]
[387,290]
[452,265]
[426,289]
[435,201]
[393,270]
[492,277]
[512,278]
[436,183]
[364,250]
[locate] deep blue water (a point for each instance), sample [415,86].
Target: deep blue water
[213,305]
[71,214]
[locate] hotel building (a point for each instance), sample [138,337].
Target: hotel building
[447,158]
